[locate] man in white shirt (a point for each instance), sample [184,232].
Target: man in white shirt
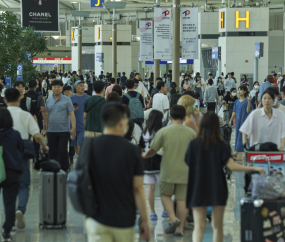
[141,88]
[181,79]
[279,78]
[26,125]
[160,100]
[229,84]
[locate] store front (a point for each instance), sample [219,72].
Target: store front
[52,64]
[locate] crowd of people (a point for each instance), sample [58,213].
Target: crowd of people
[146,132]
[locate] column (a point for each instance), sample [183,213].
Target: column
[79,42]
[156,70]
[114,45]
[176,42]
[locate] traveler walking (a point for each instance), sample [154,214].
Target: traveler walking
[229,101]
[119,190]
[211,97]
[160,100]
[154,90]
[39,104]
[283,96]
[26,125]
[141,88]
[199,85]
[269,80]
[60,112]
[122,80]
[12,147]
[109,88]
[276,104]
[266,124]
[78,100]
[92,111]
[241,111]
[206,157]
[229,83]
[173,170]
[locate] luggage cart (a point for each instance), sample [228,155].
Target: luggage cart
[276,159]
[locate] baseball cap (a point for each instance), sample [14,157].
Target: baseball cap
[279,73]
[77,82]
[32,83]
[182,74]
[57,83]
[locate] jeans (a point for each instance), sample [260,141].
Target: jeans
[58,142]
[211,107]
[10,191]
[229,115]
[199,90]
[25,181]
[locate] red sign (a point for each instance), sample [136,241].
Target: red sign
[276,157]
[52,59]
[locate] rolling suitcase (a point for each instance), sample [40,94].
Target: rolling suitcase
[52,199]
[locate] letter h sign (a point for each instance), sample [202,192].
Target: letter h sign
[246,19]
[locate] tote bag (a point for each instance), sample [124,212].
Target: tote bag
[2,166]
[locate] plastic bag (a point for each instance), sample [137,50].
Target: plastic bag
[270,187]
[221,112]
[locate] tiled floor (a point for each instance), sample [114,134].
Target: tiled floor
[75,229]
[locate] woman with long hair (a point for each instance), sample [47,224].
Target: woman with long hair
[241,111]
[206,157]
[191,112]
[152,165]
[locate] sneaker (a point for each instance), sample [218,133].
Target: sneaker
[20,219]
[6,237]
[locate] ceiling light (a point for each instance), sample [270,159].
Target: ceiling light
[111,38]
[73,2]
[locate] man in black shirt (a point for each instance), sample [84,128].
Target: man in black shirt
[2,103]
[154,90]
[229,101]
[26,102]
[117,177]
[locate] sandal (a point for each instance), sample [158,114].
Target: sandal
[164,214]
[153,216]
[178,234]
[172,227]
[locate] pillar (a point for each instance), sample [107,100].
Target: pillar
[156,70]
[79,42]
[114,46]
[176,42]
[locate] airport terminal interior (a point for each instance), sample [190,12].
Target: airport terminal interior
[224,38]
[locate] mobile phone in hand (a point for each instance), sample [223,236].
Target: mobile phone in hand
[75,104]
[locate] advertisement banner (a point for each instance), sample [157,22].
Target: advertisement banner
[189,33]
[146,40]
[162,34]
[40,14]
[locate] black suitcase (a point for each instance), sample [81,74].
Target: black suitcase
[227,133]
[262,220]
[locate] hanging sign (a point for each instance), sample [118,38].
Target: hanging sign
[146,40]
[162,34]
[40,14]
[189,33]
[96,3]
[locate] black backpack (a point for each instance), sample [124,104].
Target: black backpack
[266,146]
[79,184]
[34,96]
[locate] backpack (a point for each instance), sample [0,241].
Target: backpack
[32,99]
[135,106]
[80,185]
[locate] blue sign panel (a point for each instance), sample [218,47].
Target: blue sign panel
[20,68]
[258,50]
[99,57]
[215,53]
[96,3]
[19,78]
[182,62]
[8,81]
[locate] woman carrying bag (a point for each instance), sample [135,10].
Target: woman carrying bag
[13,148]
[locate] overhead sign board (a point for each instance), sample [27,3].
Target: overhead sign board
[19,72]
[216,53]
[246,19]
[96,3]
[258,49]
[99,57]
[52,61]
[40,14]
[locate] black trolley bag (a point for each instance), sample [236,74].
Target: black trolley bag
[261,220]
[52,196]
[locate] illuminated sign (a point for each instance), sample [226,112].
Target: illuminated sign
[246,19]
[222,20]
[52,61]
[96,3]
[72,35]
[98,35]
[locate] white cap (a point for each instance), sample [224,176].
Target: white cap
[182,74]
[279,73]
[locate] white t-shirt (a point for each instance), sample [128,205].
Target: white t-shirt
[281,108]
[141,88]
[23,122]
[260,129]
[160,102]
[44,82]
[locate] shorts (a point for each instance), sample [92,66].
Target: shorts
[151,178]
[92,134]
[169,189]
[78,139]
[221,92]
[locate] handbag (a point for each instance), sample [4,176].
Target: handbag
[79,184]
[2,166]
[29,150]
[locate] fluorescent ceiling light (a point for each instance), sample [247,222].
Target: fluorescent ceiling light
[73,2]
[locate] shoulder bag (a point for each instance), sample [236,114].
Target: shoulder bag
[94,104]
[2,166]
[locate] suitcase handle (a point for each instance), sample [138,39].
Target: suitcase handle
[263,157]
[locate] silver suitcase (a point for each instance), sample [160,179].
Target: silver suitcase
[52,199]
